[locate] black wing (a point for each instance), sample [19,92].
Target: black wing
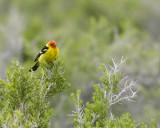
[43,50]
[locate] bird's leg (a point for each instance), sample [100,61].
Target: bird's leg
[53,64]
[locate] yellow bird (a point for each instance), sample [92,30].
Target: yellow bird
[48,53]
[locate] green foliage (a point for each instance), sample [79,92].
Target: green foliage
[54,77]
[123,122]
[24,97]
[78,117]
[110,80]
[98,113]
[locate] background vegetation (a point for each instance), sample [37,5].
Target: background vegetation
[88,33]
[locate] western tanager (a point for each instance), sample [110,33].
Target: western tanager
[48,54]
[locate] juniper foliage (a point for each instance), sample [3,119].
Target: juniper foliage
[24,96]
[114,88]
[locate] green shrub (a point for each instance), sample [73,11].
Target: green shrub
[113,89]
[24,96]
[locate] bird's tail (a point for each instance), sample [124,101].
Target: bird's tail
[34,68]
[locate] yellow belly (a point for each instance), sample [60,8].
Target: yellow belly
[49,55]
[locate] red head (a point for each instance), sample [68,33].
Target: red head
[52,44]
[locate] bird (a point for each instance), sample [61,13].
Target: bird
[48,53]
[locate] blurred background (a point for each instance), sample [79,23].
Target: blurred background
[88,33]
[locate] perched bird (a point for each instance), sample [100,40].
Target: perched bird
[48,53]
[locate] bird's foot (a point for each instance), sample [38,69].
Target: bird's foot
[53,64]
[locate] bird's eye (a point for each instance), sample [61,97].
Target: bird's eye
[53,44]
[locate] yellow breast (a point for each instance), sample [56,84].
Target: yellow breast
[50,55]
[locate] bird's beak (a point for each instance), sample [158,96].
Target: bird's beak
[54,45]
